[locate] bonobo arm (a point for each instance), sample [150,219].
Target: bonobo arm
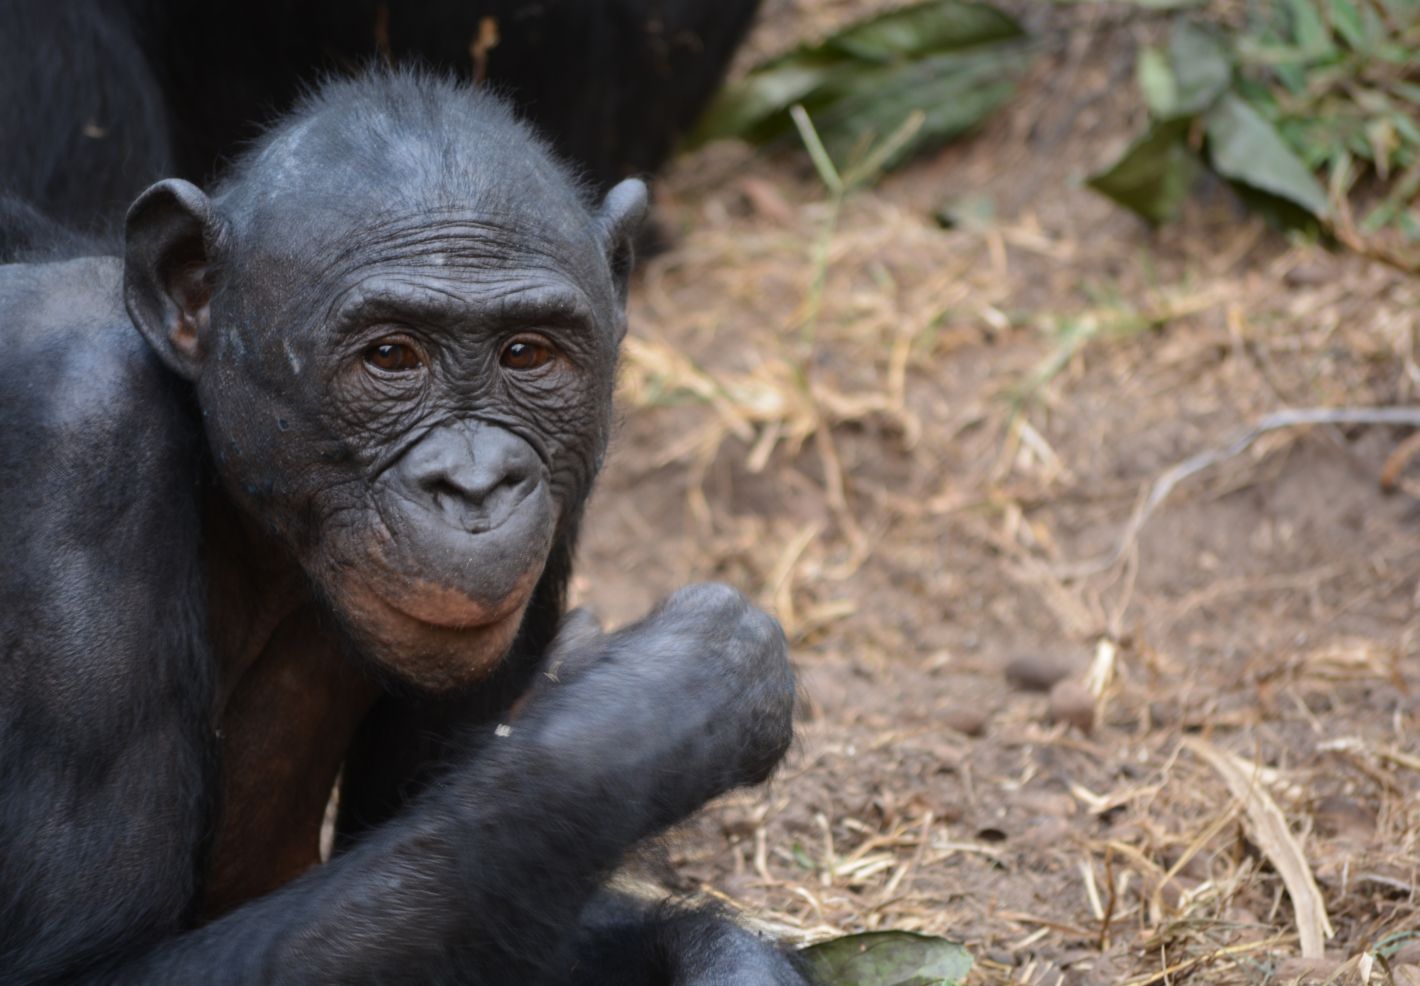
[483,879]
[105,690]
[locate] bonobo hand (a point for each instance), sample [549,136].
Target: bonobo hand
[695,699]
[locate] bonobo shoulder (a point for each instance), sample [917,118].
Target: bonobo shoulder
[41,302]
[76,368]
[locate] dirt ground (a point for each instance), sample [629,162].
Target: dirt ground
[923,447]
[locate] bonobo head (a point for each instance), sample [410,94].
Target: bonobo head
[401,318]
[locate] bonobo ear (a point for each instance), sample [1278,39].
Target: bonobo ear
[619,220]
[170,238]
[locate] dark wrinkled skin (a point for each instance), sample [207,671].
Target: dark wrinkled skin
[241,552]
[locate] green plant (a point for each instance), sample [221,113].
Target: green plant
[949,61]
[1340,80]
[889,958]
[1198,119]
[1301,88]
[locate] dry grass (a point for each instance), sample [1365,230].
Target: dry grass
[909,443]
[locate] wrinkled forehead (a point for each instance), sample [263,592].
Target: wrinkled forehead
[437,234]
[445,264]
[321,240]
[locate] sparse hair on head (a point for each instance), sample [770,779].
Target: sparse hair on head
[408,137]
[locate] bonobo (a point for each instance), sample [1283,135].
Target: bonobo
[99,98]
[291,488]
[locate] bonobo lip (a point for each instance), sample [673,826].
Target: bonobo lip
[451,650]
[440,606]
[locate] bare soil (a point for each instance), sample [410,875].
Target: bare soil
[924,468]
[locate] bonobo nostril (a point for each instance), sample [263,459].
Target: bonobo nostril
[473,475]
[474,487]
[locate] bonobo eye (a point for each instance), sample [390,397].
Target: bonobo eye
[526,353]
[393,355]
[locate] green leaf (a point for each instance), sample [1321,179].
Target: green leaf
[971,212]
[1347,21]
[1278,212]
[954,92]
[1201,68]
[1309,30]
[741,110]
[1157,83]
[1154,175]
[952,60]
[1359,27]
[1294,77]
[1409,227]
[1406,128]
[802,859]
[889,958]
[1243,147]
[924,29]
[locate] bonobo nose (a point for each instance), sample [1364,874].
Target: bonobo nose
[470,519]
[472,475]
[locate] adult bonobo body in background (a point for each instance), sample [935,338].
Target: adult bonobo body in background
[99,98]
[295,481]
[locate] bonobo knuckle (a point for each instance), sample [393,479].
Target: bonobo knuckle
[765,630]
[708,598]
[759,646]
[771,729]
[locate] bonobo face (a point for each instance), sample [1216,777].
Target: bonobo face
[415,403]
[443,410]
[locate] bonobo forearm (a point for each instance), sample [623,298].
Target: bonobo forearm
[480,880]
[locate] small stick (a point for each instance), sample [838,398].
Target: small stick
[1289,418]
[1110,904]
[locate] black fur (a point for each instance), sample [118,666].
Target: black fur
[100,98]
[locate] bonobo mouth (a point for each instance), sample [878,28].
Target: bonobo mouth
[449,609]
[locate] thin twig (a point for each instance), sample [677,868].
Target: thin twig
[1111,902]
[1240,949]
[1289,418]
